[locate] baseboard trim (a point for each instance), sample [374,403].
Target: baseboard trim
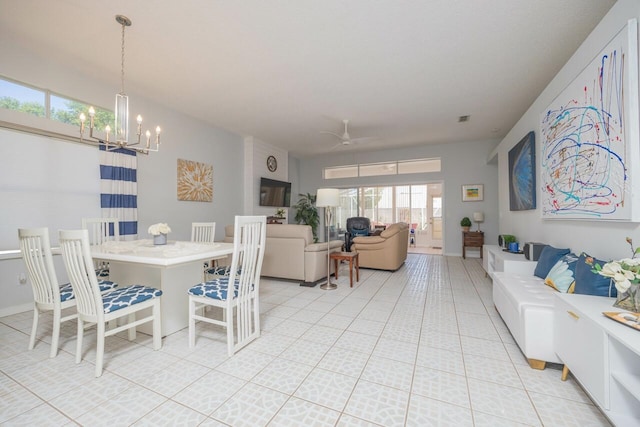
[8,311]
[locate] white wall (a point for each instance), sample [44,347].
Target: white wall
[54,183]
[601,239]
[462,163]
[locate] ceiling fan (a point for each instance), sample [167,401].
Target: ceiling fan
[345,138]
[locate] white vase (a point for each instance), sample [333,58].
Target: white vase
[160,239]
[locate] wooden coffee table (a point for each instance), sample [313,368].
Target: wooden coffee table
[347,256]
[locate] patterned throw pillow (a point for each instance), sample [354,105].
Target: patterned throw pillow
[548,258]
[561,277]
[590,283]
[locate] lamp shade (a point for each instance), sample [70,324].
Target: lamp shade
[328,197]
[478,216]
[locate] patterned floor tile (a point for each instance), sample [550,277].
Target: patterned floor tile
[344,361]
[123,409]
[245,364]
[450,342]
[209,392]
[441,385]
[322,334]
[428,412]
[327,388]
[306,352]
[41,416]
[347,420]
[502,401]
[174,378]
[298,412]
[369,327]
[562,412]
[486,348]
[251,406]
[547,381]
[401,351]
[378,403]
[282,375]
[389,372]
[437,358]
[492,370]
[168,414]
[357,342]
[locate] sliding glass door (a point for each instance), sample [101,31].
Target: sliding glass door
[420,206]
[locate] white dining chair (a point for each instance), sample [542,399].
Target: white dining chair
[203,232]
[98,308]
[48,294]
[102,230]
[240,306]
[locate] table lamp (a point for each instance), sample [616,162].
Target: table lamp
[478,217]
[327,198]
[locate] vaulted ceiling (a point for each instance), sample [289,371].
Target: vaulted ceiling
[283,71]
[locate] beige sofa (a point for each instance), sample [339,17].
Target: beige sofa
[388,251]
[291,254]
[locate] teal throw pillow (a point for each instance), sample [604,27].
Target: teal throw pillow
[358,233]
[561,276]
[548,258]
[590,283]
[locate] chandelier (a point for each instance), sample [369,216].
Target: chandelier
[120,137]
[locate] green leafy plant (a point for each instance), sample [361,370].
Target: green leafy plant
[307,213]
[508,238]
[465,222]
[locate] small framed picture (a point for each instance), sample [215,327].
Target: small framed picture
[472,193]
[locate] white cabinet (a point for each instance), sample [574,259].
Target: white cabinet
[603,355]
[495,259]
[581,345]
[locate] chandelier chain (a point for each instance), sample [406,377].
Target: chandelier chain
[122,61]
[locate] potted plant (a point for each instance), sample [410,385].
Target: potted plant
[280,212]
[307,213]
[465,223]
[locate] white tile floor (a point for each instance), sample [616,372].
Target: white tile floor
[418,347]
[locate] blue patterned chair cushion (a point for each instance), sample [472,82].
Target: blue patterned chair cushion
[102,271]
[66,291]
[221,270]
[216,288]
[125,297]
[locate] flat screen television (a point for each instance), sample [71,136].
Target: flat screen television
[275,193]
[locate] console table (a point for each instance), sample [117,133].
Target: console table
[603,355]
[472,239]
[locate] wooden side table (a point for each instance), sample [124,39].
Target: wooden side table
[472,239]
[347,256]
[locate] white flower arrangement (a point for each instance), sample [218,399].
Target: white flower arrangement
[159,228]
[624,272]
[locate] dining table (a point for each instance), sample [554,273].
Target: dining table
[173,267]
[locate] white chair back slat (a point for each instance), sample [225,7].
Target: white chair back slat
[77,258]
[203,232]
[36,253]
[101,230]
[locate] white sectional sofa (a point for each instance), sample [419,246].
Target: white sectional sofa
[526,305]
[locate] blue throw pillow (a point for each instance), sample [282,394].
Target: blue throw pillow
[590,283]
[561,277]
[548,258]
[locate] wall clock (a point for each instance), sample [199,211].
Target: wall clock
[272,163]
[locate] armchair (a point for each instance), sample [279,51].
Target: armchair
[388,251]
[356,226]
